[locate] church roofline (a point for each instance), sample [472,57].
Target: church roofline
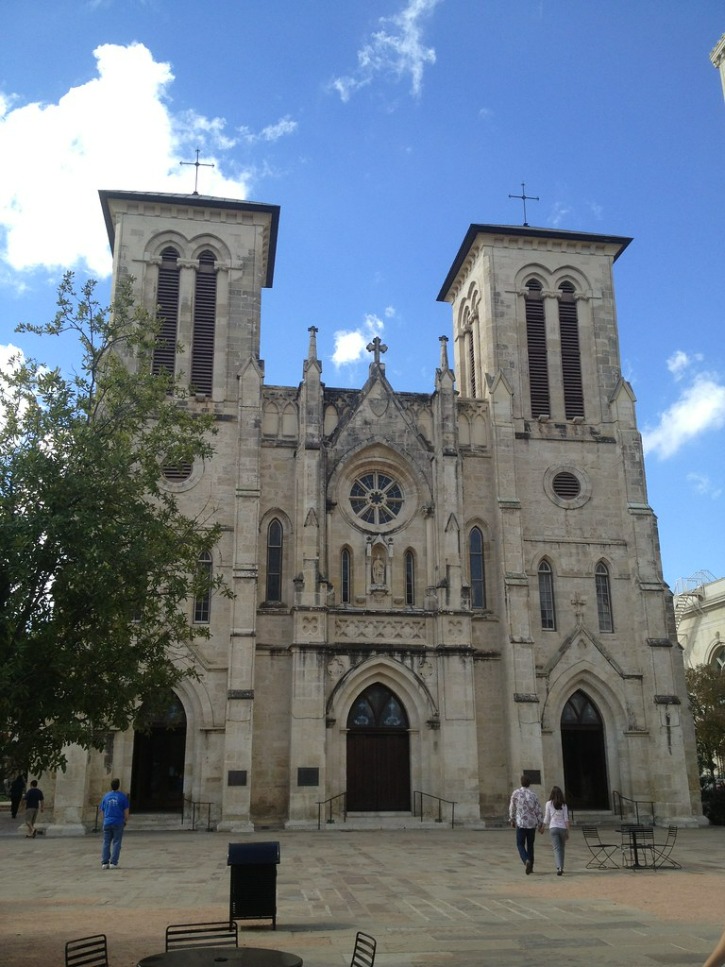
[196,201]
[524,231]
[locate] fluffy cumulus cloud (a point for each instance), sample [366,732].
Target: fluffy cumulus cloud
[115,131]
[699,408]
[351,344]
[396,50]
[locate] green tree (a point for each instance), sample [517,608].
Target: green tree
[706,688]
[97,562]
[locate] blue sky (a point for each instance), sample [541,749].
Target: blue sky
[383,128]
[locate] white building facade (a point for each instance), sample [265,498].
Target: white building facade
[432,592]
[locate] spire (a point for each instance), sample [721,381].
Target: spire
[312,351]
[444,353]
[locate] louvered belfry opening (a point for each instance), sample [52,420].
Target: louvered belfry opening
[202,351]
[571,367]
[167,300]
[536,341]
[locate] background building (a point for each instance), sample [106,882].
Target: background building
[432,591]
[717,56]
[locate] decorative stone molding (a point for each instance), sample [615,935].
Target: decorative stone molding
[240,693]
[367,628]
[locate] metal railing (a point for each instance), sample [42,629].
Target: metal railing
[194,810]
[618,801]
[329,803]
[418,806]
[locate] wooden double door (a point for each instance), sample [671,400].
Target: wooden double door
[378,753]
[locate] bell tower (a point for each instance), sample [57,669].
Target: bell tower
[203,262]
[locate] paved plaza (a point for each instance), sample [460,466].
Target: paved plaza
[429,896]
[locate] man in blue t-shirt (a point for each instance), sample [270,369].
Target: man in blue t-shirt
[115,807]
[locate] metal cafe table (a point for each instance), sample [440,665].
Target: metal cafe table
[636,840]
[222,957]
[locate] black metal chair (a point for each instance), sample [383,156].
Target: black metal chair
[363,954]
[663,851]
[217,934]
[602,853]
[87,952]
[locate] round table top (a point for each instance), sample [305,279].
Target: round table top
[222,957]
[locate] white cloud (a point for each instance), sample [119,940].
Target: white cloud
[272,132]
[396,49]
[680,361]
[700,409]
[703,485]
[351,344]
[116,131]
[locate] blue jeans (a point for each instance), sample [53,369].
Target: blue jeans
[112,836]
[525,843]
[558,839]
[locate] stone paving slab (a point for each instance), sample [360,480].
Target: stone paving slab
[430,897]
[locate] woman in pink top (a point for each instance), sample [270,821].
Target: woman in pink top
[556,817]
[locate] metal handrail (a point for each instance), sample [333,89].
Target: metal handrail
[328,803]
[618,801]
[196,810]
[418,793]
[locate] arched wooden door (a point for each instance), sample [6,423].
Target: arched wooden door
[584,754]
[159,747]
[378,753]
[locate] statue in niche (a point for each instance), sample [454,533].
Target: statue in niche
[378,571]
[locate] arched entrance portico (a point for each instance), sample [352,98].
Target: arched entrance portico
[378,753]
[157,775]
[584,754]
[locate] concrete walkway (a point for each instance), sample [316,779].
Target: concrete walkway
[430,897]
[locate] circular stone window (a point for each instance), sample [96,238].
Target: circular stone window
[567,487]
[182,476]
[376,498]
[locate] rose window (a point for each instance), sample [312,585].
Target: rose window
[376,498]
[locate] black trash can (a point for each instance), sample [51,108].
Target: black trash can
[253,881]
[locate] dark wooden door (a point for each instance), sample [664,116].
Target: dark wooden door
[378,753]
[159,749]
[584,754]
[378,771]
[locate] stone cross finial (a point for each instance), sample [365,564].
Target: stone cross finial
[376,347]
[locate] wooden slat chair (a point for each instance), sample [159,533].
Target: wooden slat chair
[602,853]
[662,851]
[217,934]
[363,954]
[87,952]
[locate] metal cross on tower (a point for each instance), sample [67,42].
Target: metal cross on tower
[524,197]
[376,347]
[197,164]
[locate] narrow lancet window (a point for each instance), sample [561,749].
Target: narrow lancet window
[274,562]
[476,568]
[604,598]
[546,597]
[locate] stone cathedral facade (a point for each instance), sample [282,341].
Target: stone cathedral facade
[432,591]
